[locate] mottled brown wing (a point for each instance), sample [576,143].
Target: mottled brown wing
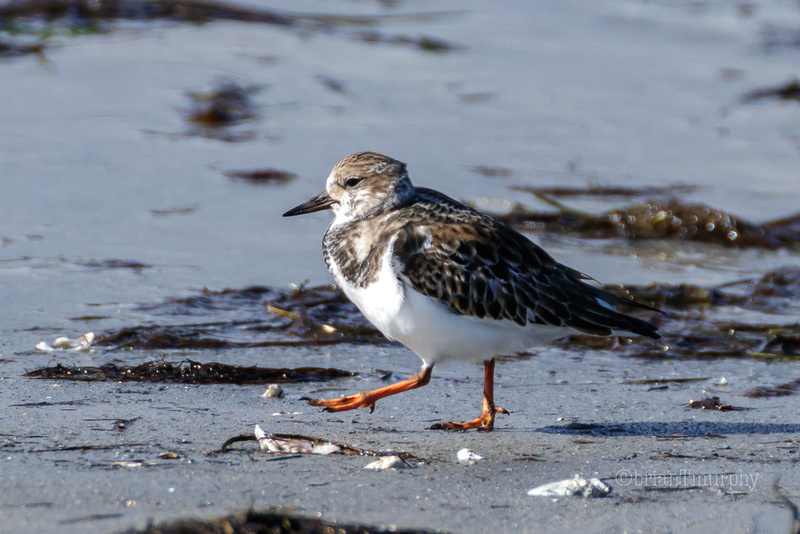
[477,266]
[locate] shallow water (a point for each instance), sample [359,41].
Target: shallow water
[98,162]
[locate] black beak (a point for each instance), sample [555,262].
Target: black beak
[318,203]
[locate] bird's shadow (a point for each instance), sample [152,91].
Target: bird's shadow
[670,429]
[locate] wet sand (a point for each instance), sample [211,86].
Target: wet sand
[671,468]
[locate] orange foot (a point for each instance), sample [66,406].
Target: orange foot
[484,423]
[367,399]
[349,402]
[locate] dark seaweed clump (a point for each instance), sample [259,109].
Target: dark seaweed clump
[694,323]
[221,112]
[424,43]
[262,176]
[188,372]
[102,265]
[99,16]
[662,219]
[781,390]
[251,317]
[713,403]
[774,292]
[227,103]
[272,522]
[787,91]
[597,190]
[11,49]
[193,11]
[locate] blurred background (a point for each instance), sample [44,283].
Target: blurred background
[149,147]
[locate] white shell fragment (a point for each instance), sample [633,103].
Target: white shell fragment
[577,485]
[466,455]
[387,462]
[325,448]
[132,464]
[274,391]
[65,343]
[272,444]
[721,381]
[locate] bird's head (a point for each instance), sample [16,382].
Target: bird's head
[360,186]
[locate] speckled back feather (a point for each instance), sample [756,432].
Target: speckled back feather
[479,267]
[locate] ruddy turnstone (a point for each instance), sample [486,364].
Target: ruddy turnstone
[447,281]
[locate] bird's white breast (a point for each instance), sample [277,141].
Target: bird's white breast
[379,301]
[427,327]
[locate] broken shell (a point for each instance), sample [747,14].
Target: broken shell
[325,448]
[65,343]
[273,444]
[270,443]
[273,391]
[577,485]
[132,463]
[466,455]
[387,462]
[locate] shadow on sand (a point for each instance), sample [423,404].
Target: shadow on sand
[670,429]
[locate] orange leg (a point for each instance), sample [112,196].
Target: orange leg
[368,398]
[486,420]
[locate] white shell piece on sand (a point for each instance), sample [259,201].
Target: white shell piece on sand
[387,462]
[65,343]
[325,448]
[576,485]
[466,455]
[132,463]
[273,391]
[272,444]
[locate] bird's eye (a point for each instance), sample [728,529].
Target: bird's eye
[352,181]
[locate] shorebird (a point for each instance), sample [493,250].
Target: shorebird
[448,281]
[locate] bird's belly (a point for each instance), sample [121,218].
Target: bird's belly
[435,333]
[427,327]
